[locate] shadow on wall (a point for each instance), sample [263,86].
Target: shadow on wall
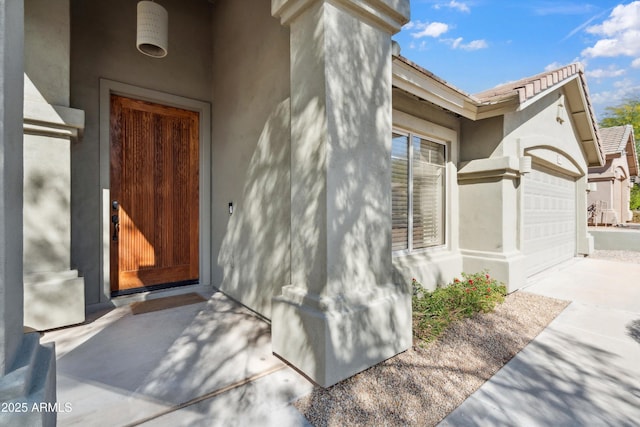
[341,198]
[429,274]
[254,253]
[46,239]
[633,330]
[357,183]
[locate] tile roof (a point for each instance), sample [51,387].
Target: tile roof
[619,139]
[614,139]
[529,87]
[429,74]
[524,90]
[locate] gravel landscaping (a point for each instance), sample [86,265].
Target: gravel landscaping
[422,385]
[622,256]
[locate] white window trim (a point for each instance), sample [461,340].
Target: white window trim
[405,124]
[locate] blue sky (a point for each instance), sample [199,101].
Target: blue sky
[478,44]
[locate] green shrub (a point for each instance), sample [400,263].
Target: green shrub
[636,216]
[634,201]
[434,311]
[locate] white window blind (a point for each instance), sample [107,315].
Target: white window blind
[400,192]
[418,192]
[428,193]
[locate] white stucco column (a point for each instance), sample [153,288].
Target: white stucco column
[341,313]
[27,369]
[11,43]
[53,292]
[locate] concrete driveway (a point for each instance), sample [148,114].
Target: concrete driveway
[208,364]
[584,369]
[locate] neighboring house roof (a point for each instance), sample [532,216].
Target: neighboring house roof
[509,97]
[617,140]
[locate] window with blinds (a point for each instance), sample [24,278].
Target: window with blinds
[400,192]
[418,192]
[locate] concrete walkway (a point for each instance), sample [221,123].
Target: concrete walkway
[584,369]
[210,364]
[206,364]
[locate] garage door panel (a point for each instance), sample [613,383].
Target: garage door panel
[549,229]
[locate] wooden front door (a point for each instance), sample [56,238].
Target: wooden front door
[154,195]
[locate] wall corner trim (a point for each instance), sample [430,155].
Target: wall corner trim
[507,167]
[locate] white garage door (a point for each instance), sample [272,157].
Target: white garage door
[549,219]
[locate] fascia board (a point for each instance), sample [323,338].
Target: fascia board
[428,89]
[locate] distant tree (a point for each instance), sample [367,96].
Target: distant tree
[627,113]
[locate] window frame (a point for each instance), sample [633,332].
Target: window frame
[410,134]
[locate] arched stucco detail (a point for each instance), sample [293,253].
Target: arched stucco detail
[546,151]
[620,173]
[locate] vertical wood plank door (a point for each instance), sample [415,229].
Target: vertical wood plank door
[154,181]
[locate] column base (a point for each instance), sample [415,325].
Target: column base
[53,300]
[507,268]
[586,246]
[330,340]
[28,390]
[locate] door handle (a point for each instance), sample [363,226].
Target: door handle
[115,219]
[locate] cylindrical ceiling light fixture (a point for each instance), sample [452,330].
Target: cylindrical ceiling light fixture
[152,36]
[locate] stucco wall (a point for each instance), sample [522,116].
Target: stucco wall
[251,153]
[538,125]
[481,139]
[492,198]
[11,95]
[612,182]
[47,183]
[47,48]
[47,187]
[103,46]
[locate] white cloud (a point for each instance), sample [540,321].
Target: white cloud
[601,73]
[424,29]
[620,32]
[553,66]
[561,8]
[453,4]
[636,63]
[472,45]
[623,89]
[422,46]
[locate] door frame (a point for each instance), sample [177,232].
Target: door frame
[110,87]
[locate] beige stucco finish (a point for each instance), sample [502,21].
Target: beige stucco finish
[103,47]
[612,192]
[53,292]
[251,154]
[491,189]
[341,313]
[297,109]
[611,183]
[27,369]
